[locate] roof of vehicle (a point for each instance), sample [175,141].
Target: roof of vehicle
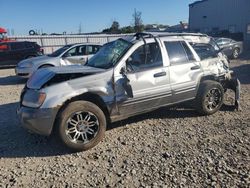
[185,36]
[11,42]
[85,43]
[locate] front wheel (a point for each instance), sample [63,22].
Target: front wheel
[210,97]
[82,125]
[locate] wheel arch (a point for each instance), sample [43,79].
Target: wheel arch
[207,78]
[44,65]
[90,97]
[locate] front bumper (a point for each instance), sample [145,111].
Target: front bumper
[23,71]
[39,121]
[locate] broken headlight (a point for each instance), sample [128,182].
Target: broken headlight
[33,99]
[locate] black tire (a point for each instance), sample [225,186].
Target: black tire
[210,97]
[236,53]
[67,123]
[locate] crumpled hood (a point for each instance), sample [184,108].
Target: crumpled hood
[59,74]
[35,60]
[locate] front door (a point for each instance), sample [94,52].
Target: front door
[148,80]
[74,56]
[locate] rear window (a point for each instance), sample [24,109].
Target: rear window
[205,51]
[29,45]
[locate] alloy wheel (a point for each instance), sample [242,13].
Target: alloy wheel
[82,127]
[213,99]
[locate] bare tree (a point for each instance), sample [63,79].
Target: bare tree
[138,25]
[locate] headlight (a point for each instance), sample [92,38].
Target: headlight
[25,65]
[33,99]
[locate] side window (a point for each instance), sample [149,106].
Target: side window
[219,42]
[145,57]
[92,49]
[226,41]
[189,53]
[205,51]
[176,52]
[96,49]
[71,52]
[81,50]
[17,46]
[28,45]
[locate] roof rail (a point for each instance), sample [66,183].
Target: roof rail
[165,34]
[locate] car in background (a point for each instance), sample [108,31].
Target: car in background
[73,54]
[13,52]
[230,47]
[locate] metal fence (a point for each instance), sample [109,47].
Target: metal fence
[51,43]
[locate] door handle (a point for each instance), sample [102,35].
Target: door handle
[195,67]
[160,74]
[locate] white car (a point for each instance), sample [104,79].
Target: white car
[74,54]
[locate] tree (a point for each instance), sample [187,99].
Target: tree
[127,29]
[137,20]
[115,27]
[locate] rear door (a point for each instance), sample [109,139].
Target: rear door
[184,70]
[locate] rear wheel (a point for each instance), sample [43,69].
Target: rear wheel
[236,53]
[82,125]
[210,97]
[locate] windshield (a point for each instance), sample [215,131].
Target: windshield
[109,54]
[59,51]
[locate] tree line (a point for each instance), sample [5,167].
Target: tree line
[137,25]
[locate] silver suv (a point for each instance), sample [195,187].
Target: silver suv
[126,77]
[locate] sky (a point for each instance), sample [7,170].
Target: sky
[48,16]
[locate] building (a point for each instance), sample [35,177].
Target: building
[221,15]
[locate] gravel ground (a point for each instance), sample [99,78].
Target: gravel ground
[165,148]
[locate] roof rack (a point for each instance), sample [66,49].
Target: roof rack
[165,34]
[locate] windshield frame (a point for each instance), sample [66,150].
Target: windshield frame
[112,64]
